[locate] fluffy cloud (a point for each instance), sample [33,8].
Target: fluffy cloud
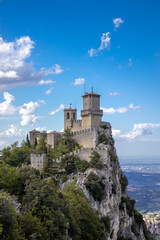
[105,41]
[79,81]
[105,44]
[117,22]
[7,136]
[27,112]
[120,109]
[14,70]
[139,130]
[114,94]
[61,107]
[6,107]
[49,91]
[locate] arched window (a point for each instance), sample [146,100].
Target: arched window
[68,115]
[74,116]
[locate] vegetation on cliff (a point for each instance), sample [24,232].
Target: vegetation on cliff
[32,206]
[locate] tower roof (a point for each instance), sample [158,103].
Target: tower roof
[34,131]
[91,93]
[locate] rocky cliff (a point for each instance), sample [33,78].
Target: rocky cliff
[104,186]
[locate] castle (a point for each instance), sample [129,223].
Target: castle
[84,131]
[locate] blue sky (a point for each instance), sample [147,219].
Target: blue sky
[50,51]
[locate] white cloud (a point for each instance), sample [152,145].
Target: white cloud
[14,70]
[139,130]
[105,44]
[92,52]
[110,111]
[6,107]
[27,112]
[49,91]
[7,136]
[13,131]
[117,22]
[28,119]
[79,81]
[61,107]
[122,110]
[9,74]
[131,106]
[46,82]
[114,94]
[105,41]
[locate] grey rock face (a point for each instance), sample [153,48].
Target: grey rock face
[121,224]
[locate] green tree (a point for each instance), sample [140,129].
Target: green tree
[9,178]
[42,144]
[43,201]
[84,222]
[31,227]
[8,220]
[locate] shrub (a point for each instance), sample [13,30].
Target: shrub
[138,217]
[73,164]
[106,222]
[123,182]
[64,178]
[95,160]
[102,138]
[95,186]
[104,126]
[133,228]
[112,156]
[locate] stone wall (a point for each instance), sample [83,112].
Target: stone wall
[37,161]
[87,138]
[53,137]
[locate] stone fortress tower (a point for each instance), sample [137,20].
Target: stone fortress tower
[84,131]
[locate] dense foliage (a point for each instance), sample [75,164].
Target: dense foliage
[112,156]
[46,212]
[95,186]
[95,161]
[123,182]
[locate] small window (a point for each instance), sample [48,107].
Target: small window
[74,116]
[68,115]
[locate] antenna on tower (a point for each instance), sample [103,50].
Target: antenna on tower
[84,88]
[92,88]
[75,104]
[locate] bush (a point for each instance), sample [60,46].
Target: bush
[95,187]
[102,138]
[106,222]
[123,182]
[95,161]
[129,205]
[64,178]
[133,228]
[138,217]
[84,223]
[73,164]
[112,156]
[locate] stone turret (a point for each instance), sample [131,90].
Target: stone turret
[91,113]
[34,134]
[70,116]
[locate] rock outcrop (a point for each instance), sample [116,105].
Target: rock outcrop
[115,207]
